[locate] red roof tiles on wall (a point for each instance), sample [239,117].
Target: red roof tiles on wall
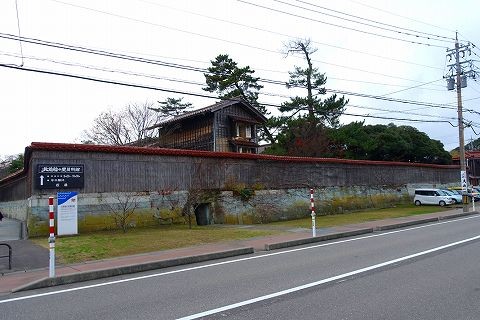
[47,146]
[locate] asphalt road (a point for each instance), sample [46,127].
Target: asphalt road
[425,272]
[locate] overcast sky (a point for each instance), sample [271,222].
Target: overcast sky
[367,58]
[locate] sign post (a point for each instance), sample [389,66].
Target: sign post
[314,229]
[463,183]
[51,239]
[67,213]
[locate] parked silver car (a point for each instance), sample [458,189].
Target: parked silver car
[432,196]
[457,196]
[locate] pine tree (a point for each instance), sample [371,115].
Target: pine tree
[327,111]
[228,80]
[172,107]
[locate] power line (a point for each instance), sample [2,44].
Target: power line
[163,26]
[404,17]
[186,81]
[440,38]
[409,88]
[167,78]
[18,28]
[161,63]
[398,119]
[137,59]
[340,26]
[133,85]
[364,95]
[149,61]
[105,53]
[374,21]
[370,54]
[400,111]
[91,67]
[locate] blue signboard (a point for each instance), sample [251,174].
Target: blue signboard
[67,213]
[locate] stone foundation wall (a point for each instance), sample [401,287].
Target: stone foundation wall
[224,207]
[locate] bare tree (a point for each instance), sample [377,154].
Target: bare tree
[138,118]
[123,127]
[197,193]
[122,209]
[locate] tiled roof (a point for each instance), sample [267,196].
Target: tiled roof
[474,154]
[67,147]
[214,107]
[46,146]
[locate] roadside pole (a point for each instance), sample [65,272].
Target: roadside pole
[51,239]
[314,229]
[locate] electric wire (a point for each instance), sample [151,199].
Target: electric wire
[374,21]
[18,27]
[200,69]
[164,26]
[279,83]
[151,61]
[398,15]
[103,69]
[398,119]
[134,85]
[413,87]
[400,111]
[370,54]
[440,38]
[339,26]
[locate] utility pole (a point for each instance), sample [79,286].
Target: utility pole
[461,138]
[461,81]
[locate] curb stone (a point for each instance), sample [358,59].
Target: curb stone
[128,269]
[292,243]
[97,274]
[280,245]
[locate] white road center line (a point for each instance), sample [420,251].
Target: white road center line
[324,281]
[229,262]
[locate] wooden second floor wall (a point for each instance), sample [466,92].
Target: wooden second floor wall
[190,134]
[225,127]
[209,131]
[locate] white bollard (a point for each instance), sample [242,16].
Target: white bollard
[314,229]
[51,239]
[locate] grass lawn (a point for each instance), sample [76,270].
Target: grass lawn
[403,210]
[108,244]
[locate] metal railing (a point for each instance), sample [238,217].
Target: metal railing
[9,256]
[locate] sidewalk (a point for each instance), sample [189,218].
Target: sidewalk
[32,279]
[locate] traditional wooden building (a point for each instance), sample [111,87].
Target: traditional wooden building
[472,162]
[226,126]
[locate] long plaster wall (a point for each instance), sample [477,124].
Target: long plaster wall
[160,184]
[95,209]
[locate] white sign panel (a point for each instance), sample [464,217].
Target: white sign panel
[463,178]
[67,213]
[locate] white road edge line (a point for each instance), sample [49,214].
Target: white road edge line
[228,262]
[320,282]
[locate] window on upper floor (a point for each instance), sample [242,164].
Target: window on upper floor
[246,150]
[244,130]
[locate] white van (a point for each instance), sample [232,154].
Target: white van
[432,196]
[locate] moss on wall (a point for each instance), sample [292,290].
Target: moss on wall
[263,207]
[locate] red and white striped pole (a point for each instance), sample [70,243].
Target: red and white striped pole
[51,239]
[314,229]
